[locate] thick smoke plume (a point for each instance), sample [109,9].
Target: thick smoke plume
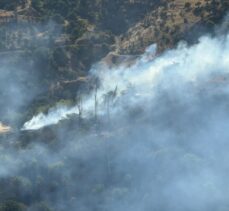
[161,141]
[141,82]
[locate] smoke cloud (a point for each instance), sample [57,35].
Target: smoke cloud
[160,141]
[142,81]
[18,86]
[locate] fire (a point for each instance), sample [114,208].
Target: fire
[4,128]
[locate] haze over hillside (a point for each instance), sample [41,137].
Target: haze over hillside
[114,105]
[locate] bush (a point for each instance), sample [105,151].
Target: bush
[12,206]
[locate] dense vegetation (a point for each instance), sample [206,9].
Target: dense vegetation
[6,5]
[115,16]
[66,38]
[63,39]
[57,42]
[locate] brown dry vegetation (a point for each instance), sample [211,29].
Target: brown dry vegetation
[169,23]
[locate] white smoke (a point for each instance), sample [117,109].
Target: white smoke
[195,64]
[173,156]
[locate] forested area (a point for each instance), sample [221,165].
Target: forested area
[144,146]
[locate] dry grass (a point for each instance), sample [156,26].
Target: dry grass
[163,31]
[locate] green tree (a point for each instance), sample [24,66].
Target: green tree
[12,206]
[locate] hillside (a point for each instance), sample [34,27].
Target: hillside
[63,39]
[174,21]
[91,119]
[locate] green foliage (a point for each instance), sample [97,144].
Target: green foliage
[41,207]
[12,206]
[108,14]
[9,5]
[59,57]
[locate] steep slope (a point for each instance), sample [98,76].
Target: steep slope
[63,39]
[171,22]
